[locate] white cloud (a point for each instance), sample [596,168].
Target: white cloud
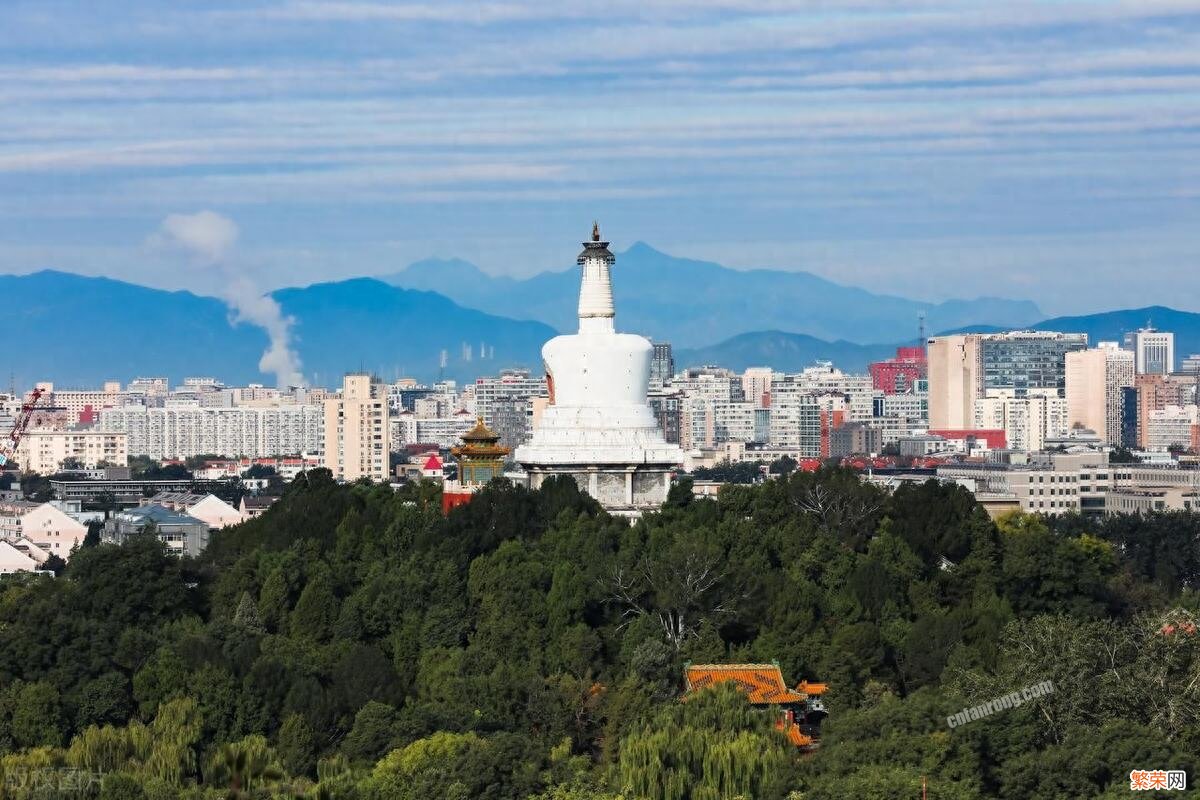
[205,235]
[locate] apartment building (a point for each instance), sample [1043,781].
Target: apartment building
[44,451]
[185,428]
[1095,384]
[357,430]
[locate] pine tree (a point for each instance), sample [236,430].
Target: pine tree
[247,616]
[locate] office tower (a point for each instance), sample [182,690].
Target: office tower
[1153,351]
[1025,360]
[662,364]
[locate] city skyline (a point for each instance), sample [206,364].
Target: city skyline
[945,150]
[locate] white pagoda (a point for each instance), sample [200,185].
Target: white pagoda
[598,427]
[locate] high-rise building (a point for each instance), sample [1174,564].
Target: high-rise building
[1156,392]
[796,423]
[1130,417]
[1153,351]
[855,438]
[662,364]
[357,430]
[955,380]
[756,385]
[506,403]
[1025,360]
[1173,427]
[716,384]
[1027,421]
[182,429]
[899,374]
[963,367]
[44,452]
[1095,380]
[697,424]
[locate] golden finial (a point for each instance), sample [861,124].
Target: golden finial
[595,231]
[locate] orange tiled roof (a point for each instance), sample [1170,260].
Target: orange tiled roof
[762,683]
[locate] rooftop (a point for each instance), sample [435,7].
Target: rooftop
[762,683]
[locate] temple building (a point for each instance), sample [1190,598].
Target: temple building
[598,426]
[800,710]
[480,458]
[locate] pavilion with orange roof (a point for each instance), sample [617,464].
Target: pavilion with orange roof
[801,708]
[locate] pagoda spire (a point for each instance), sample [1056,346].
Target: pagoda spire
[596,309]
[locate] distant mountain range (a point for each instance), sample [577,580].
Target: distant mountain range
[695,303]
[787,352]
[79,331]
[1111,326]
[792,351]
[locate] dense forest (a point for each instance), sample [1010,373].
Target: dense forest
[355,643]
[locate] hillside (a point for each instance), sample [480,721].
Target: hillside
[353,643]
[695,303]
[790,352]
[79,331]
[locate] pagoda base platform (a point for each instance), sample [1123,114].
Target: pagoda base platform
[622,489]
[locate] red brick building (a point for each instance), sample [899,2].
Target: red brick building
[897,375]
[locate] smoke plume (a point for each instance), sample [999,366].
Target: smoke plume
[207,239]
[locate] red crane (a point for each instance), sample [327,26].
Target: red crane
[8,446]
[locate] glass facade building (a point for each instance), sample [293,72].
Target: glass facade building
[1025,360]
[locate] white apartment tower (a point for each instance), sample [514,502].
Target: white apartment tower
[357,430]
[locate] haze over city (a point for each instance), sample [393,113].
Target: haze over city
[1041,151]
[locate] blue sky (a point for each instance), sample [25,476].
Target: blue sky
[934,149]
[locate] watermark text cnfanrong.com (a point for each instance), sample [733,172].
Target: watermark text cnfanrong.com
[1010,700]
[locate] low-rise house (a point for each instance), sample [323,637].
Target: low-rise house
[46,526]
[31,549]
[182,534]
[255,505]
[12,560]
[205,507]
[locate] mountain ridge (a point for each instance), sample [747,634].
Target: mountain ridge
[89,329]
[80,330]
[693,303]
[793,352]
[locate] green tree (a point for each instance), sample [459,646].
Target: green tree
[373,734]
[37,717]
[316,610]
[243,767]
[713,746]
[121,786]
[297,746]
[247,615]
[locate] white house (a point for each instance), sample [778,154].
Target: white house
[30,548]
[13,560]
[208,508]
[45,526]
[216,512]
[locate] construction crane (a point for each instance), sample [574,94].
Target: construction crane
[8,446]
